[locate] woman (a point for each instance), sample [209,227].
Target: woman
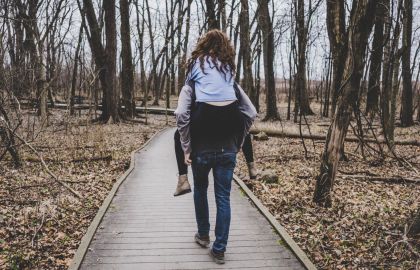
[212,122]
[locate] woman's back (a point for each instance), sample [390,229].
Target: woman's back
[211,85]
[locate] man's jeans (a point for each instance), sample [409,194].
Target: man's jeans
[222,164]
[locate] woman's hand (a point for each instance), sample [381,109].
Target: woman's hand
[187,159]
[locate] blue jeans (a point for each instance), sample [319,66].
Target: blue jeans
[222,164]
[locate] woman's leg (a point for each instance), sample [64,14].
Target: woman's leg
[183,186]
[247,149]
[249,157]
[182,167]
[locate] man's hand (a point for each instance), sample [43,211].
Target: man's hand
[187,159]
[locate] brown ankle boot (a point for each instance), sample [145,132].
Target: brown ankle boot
[252,170]
[183,186]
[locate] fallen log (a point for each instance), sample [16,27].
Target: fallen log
[151,110]
[77,160]
[388,180]
[281,134]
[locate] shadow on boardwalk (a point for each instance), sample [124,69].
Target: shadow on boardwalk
[145,227]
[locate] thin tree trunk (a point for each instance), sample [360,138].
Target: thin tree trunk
[266,27]
[414,227]
[75,67]
[302,101]
[407,92]
[248,82]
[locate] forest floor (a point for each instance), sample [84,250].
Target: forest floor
[42,223]
[365,227]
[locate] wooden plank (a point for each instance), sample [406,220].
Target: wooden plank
[177,251]
[190,244]
[160,257]
[185,266]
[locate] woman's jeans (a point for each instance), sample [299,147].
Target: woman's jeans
[222,164]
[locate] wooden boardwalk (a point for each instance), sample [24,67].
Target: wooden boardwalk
[145,227]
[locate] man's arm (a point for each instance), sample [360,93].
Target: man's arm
[183,115]
[247,109]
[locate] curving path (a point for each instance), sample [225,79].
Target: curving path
[145,227]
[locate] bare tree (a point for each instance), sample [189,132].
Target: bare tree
[212,22]
[127,69]
[75,67]
[248,82]
[266,27]
[414,227]
[105,57]
[360,26]
[376,59]
[336,26]
[407,93]
[301,91]
[36,42]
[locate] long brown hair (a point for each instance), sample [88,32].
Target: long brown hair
[215,45]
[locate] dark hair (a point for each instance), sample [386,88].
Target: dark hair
[216,46]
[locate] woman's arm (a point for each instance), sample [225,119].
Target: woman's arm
[183,114]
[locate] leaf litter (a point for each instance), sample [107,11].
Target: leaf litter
[42,223]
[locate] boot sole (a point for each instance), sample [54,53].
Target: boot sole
[183,192]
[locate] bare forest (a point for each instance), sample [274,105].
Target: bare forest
[337,139]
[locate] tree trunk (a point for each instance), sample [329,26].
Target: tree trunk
[248,82]
[266,27]
[183,56]
[222,14]
[127,69]
[360,26]
[8,139]
[212,22]
[414,227]
[407,92]
[390,85]
[105,58]
[140,32]
[393,102]
[336,26]
[376,60]
[301,93]
[75,66]
[112,96]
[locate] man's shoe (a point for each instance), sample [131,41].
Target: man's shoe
[252,170]
[217,257]
[183,186]
[203,241]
